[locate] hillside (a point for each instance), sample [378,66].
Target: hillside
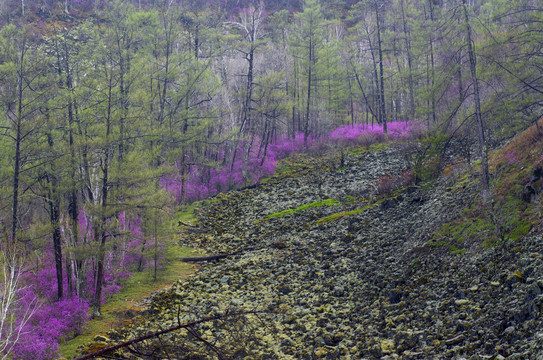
[346,267]
[119,117]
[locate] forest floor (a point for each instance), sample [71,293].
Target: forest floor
[120,309]
[345,258]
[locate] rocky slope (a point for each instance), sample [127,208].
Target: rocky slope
[347,268]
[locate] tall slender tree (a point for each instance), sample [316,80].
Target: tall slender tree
[477,99]
[306,43]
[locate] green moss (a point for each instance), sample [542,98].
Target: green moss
[337,216]
[378,146]
[457,251]
[285,170]
[462,182]
[358,151]
[350,199]
[316,204]
[212,200]
[522,228]
[506,219]
[281,213]
[454,249]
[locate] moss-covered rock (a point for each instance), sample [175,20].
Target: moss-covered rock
[357,280]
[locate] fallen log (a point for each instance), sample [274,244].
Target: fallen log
[208,258]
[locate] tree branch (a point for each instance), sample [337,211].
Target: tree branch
[188,325]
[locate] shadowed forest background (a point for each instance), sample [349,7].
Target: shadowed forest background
[115,114]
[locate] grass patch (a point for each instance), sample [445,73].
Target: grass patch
[139,286]
[316,204]
[379,146]
[358,151]
[185,214]
[451,247]
[364,149]
[340,215]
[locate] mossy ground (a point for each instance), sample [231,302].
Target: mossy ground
[342,214]
[316,204]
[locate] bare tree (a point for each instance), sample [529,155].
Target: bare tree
[250,26]
[14,314]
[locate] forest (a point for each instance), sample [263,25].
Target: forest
[116,114]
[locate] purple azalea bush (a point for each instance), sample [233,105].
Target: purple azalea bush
[56,320]
[53,320]
[201,182]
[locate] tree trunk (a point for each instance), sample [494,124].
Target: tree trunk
[478,115]
[432,67]
[52,198]
[378,112]
[54,216]
[17,156]
[102,235]
[309,77]
[246,124]
[361,87]
[381,71]
[409,63]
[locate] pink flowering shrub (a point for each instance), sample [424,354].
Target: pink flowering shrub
[51,322]
[356,133]
[55,320]
[511,158]
[202,181]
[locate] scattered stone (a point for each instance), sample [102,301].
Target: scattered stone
[388,346]
[456,340]
[461,302]
[367,284]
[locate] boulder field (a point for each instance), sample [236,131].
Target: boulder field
[342,257]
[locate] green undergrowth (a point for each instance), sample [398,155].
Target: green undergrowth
[185,214]
[499,221]
[364,149]
[120,308]
[463,182]
[504,218]
[316,204]
[343,214]
[453,248]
